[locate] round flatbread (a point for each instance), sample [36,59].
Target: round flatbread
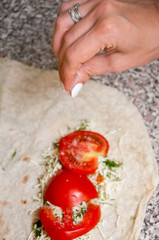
[34,113]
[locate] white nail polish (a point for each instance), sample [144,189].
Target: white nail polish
[75,90]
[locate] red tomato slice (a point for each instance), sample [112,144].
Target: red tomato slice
[79,151]
[68,189]
[66,230]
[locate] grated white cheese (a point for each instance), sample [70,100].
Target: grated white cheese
[51,164]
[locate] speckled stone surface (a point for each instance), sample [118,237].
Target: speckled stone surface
[26,28]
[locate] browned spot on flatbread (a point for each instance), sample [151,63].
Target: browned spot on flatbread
[25,179]
[23,202]
[26,159]
[1,219]
[5,231]
[3,227]
[4,203]
[3,238]
[29,212]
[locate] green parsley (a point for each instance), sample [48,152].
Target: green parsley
[99,187]
[68,128]
[117,179]
[35,200]
[78,215]
[56,145]
[112,164]
[108,175]
[47,157]
[36,228]
[83,211]
[84,126]
[132,218]
[13,155]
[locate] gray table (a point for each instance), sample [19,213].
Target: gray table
[26,28]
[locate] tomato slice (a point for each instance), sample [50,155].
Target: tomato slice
[79,151]
[65,229]
[68,189]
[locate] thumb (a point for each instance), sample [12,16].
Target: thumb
[100,64]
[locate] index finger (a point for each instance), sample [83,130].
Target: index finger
[82,50]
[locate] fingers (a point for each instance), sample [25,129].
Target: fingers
[101,64]
[75,33]
[64,21]
[82,50]
[66,5]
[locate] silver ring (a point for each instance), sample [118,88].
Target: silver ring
[75,13]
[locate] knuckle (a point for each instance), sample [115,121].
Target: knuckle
[59,21]
[67,38]
[69,55]
[107,26]
[63,7]
[108,23]
[111,26]
[105,7]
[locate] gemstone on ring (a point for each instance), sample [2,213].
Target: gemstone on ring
[75,13]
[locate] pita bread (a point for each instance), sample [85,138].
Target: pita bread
[34,112]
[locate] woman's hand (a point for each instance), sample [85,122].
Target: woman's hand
[128,32]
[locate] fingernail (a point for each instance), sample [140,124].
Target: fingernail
[75,90]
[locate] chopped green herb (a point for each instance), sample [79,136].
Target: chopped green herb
[46,164]
[109,204]
[108,175]
[35,200]
[37,224]
[79,215]
[99,187]
[37,232]
[132,218]
[47,157]
[117,179]
[44,200]
[73,218]
[83,211]
[56,145]
[112,164]
[83,126]
[36,228]
[13,155]
[106,203]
